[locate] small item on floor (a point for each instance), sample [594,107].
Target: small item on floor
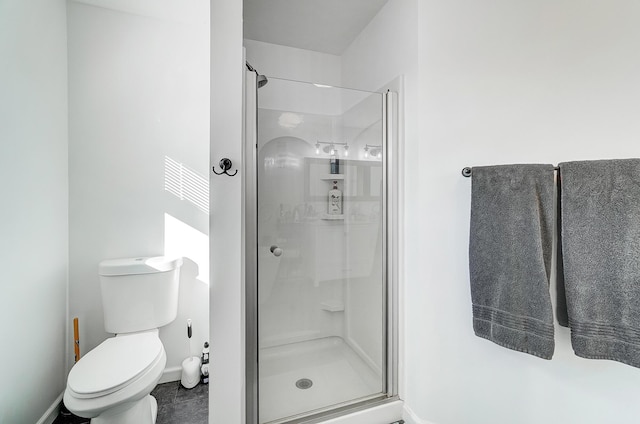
[205,353]
[190,372]
[64,411]
[204,374]
[191,365]
[204,369]
[76,339]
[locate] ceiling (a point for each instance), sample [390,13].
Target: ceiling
[189,12]
[327,26]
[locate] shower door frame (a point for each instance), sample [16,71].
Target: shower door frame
[390,226]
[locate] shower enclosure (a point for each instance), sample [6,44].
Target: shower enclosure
[319,291]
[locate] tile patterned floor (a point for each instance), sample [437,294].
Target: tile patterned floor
[176,405]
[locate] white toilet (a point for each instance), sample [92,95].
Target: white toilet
[112,383]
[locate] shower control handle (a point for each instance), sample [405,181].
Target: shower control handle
[275,250]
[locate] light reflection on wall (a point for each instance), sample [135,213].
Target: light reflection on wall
[186,184]
[185,241]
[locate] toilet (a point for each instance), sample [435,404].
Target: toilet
[112,383]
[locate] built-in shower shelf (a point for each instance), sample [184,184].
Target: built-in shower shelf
[332,177]
[328,217]
[332,306]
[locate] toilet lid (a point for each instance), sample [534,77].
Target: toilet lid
[114,363]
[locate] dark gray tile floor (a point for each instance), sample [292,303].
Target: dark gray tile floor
[176,405]
[65,417]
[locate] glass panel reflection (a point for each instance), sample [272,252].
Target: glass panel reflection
[320,254]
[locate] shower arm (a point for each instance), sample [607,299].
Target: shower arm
[251,68]
[262,80]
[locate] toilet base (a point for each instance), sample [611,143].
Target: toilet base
[142,411]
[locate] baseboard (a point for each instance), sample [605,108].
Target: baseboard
[52,413]
[410,417]
[171,374]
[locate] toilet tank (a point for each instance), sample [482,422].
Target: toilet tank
[139,293]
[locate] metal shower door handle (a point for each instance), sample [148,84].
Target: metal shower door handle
[275,250]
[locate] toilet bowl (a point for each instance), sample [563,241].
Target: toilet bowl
[112,383]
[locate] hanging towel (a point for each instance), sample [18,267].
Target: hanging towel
[510,250]
[600,217]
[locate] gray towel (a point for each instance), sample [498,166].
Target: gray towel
[600,216]
[510,250]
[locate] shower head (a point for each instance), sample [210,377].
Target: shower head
[262,81]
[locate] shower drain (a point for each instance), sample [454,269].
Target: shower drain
[304,383]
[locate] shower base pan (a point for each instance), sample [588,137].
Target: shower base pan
[307,377]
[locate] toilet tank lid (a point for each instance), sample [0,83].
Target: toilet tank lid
[141,265]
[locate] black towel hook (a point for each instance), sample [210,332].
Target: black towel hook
[225,164]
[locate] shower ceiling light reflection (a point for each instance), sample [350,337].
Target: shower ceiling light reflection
[373,150]
[330,148]
[290,120]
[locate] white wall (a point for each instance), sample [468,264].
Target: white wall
[295,64]
[385,50]
[510,82]
[226,391]
[33,215]
[138,101]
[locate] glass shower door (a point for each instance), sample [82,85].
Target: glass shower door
[321,286]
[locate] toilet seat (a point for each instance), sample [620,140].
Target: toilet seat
[114,364]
